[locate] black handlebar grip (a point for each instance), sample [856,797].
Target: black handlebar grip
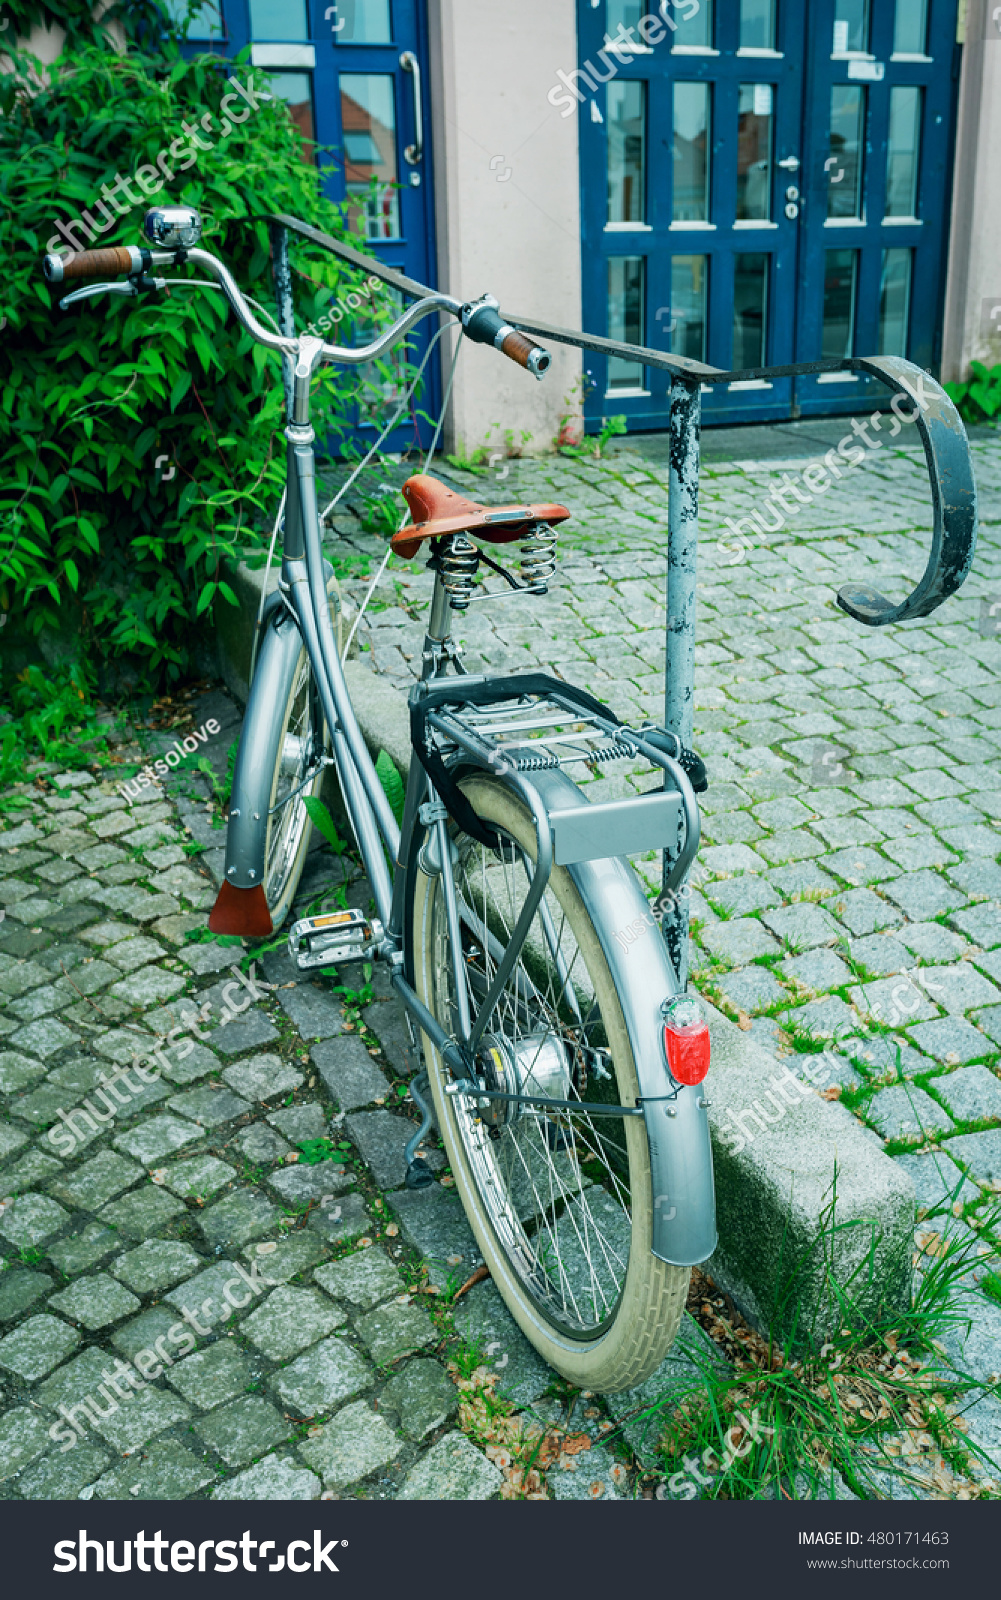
[483,323]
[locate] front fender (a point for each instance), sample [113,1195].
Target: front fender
[247,833]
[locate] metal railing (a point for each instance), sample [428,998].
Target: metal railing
[942,435]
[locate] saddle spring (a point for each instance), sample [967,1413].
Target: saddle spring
[459,563]
[538,558]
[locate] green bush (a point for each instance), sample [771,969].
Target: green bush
[980,399]
[94,537]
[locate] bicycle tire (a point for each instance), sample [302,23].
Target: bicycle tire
[303,733]
[624,1345]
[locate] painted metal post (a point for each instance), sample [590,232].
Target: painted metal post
[283,298]
[682,545]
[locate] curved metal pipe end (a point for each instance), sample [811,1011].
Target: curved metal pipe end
[953,491]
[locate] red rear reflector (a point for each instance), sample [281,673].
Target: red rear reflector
[243,911]
[686,1041]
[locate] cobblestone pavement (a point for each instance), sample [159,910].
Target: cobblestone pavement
[212,1282]
[193,1304]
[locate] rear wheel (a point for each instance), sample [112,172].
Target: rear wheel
[561,1204]
[303,742]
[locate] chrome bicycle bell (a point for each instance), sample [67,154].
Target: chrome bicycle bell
[172,227]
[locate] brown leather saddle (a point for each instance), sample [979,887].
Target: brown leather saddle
[436,509]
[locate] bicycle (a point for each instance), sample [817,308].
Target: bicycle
[564,1062]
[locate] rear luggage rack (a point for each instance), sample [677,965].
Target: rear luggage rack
[531,722]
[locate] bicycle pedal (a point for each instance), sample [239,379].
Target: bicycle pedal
[334,938]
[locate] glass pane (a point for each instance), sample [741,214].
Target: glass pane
[840,267]
[757,24]
[754,151]
[625,318]
[691,153]
[368,120]
[363,22]
[902,152]
[694,26]
[381,389]
[689,282]
[750,292]
[626,151]
[851,26]
[296,90]
[206,20]
[910,27]
[625,14]
[894,302]
[279,19]
[844,164]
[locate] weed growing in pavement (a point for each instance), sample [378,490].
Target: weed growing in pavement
[222,788]
[979,400]
[595,445]
[313,1151]
[877,1406]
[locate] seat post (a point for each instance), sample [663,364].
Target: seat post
[439,629]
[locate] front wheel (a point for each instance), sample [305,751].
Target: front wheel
[561,1204]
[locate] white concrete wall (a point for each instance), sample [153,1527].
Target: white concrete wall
[973,284]
[510,226]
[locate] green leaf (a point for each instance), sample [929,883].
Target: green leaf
[321,819]
[315,1150]
[392,783]
[205,598]
[179,390]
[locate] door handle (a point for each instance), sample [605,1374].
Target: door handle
[414,152]
[790,164]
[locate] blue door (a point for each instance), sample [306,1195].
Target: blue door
[763,181]
[354,76]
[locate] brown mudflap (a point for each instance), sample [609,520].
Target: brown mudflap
[243,911]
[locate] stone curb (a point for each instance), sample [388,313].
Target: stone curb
[774,1194]
[804,1196]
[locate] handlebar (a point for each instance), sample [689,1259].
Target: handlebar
[480,319]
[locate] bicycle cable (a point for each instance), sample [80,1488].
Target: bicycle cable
[430,452]
[341,492]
